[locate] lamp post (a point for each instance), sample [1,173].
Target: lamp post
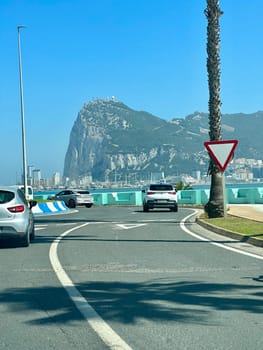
[22,115]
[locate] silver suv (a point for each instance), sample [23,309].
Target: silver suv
[16,218]
[72,198]
[160,196]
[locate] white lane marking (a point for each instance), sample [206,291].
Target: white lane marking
[221,245]
[40,227]
[128,226]
[104,331]
[66,224]
[44,226]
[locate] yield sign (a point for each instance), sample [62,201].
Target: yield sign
[221,152]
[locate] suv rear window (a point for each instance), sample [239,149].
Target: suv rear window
[161,187]
[6,196]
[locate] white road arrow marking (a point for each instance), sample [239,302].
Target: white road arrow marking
[128,226]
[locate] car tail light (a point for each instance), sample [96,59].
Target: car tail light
[17,209]
[174,192]
[150,192]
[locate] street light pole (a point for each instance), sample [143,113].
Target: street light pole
[22,115]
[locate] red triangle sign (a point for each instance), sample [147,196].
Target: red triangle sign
[221,151]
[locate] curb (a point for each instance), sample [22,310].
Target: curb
[50,208]
[230,234]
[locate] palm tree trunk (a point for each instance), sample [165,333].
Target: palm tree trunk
[215,206]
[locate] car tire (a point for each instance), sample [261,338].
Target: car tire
[175,209]
[25,240]
[72,203]
[32,234]
[88,205]
[145,208]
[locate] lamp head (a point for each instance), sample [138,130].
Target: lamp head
[20,27]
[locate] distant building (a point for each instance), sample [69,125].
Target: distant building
[258,172]
[30,170]
[56,179]
[36,177]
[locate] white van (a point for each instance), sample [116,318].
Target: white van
[30,192]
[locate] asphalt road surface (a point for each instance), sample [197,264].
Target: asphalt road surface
[119,278]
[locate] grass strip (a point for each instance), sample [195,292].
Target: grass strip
[240,225]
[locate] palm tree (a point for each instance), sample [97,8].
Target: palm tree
[180,186]
[215,205]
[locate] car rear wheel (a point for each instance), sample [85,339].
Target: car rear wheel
[88,205]
[145,208]
[175,208]
[32,234]
[25,240]
[72,203]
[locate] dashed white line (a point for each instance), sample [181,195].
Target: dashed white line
[104,331]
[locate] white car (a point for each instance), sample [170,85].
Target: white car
[73,198]
[160,196]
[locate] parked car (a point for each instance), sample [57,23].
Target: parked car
[16,218]
[73,198]
[161,195]
[30,191]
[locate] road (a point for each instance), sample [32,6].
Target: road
[119,278]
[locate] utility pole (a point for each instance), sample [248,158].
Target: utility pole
[22,115]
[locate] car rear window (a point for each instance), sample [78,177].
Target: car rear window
[6,196]
[83,192]
[21,195]
[161,187]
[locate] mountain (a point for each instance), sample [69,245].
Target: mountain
[110,138]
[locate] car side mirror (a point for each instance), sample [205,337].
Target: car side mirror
[32,204]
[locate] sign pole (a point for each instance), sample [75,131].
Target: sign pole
[224,194]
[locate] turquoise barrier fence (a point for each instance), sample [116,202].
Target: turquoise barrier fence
[253,195]
[233,196]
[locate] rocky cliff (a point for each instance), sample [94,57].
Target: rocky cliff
[110,138]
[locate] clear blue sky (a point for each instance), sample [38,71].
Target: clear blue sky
[149,54]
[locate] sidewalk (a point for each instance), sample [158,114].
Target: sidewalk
[247,211]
